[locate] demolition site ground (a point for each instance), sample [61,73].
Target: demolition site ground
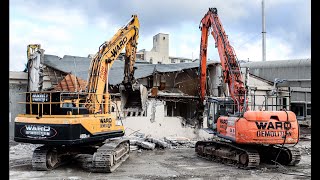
[177,162]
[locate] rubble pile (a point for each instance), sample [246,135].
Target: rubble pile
[180,142]
[139,141]
[24,147]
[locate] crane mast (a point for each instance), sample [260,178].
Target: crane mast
[230,66]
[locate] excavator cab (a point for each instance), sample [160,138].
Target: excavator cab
[216,107]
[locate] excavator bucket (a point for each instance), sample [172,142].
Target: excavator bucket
[133,98]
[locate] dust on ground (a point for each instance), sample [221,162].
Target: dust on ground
[179,163]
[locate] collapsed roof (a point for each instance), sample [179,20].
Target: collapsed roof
[79,66]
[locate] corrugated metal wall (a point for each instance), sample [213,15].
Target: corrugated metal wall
[284,69]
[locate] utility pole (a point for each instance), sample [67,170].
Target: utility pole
[263,33]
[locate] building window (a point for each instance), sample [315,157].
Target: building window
[284,103]
[308,109]
[298,109]
[164,38]
[182,109]
[169,108]
[135,114]
[150,81]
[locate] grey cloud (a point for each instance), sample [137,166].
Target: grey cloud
[287,20]
[152,14]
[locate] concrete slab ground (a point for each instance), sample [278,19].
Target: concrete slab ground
[180,163]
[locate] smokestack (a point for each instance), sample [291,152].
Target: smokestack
[263,34]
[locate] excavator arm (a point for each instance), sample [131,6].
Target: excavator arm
[126,37]
[230,67]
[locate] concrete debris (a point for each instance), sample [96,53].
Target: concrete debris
[133,147]
[139,135]
[305,137]
[146,145]
[180,141]
[305,123]
[133,142]
[25,147]
[151,143]
[159,143]
[305,150]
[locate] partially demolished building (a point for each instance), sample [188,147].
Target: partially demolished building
[173,89]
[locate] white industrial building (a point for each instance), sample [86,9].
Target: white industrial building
[159,54]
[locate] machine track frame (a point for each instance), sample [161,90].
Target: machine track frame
[107,157]
[247,156]
[284,155]
[103,157]
[228,153]
[46,158]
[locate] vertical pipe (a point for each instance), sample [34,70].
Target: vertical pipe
[305,106]
[289,108]
[50,103]
[254,100]
[75,74]
[30,102]
[272,100]
[263,34]
[266,103]
[276,102]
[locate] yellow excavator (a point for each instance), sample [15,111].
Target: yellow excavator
[80,125]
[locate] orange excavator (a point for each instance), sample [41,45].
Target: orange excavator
[244,137]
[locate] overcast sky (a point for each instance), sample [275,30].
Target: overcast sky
[79,27]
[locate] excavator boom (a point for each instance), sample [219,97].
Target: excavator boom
[127,38]
[229,62]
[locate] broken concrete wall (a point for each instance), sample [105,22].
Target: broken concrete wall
[35,71]
[156,124]
[214,81]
